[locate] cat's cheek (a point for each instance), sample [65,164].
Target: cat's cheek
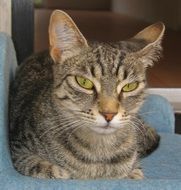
[136,109]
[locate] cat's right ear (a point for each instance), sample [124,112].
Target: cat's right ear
[64,37]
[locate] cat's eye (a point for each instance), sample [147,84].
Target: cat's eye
[130,87]
[84,82]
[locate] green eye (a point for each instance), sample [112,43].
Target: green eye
[84,83]
[130,87]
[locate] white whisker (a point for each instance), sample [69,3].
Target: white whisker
[54,128]
[74,130]
[65,128]
[145,113]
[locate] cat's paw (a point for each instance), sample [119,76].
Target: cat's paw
[136,174]
[45,169]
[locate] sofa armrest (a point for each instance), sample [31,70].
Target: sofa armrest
[8,64]
[158,113]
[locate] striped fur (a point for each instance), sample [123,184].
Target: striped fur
[58,129]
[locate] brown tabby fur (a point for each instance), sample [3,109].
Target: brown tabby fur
[61,130]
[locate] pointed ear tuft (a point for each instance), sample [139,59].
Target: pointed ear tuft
[64,37]
[151,37]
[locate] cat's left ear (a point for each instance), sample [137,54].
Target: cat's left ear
[151,38]
[65,38]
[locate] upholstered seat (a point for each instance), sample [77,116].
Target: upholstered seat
[162,168]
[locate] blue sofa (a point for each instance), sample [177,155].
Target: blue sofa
[162,168]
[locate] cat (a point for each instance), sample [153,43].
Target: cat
[74,108]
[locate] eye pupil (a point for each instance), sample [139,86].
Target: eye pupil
[84,81]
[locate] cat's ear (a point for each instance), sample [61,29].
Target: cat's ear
[64,37]
[150,38]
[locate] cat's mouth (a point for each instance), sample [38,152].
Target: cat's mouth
[105,129]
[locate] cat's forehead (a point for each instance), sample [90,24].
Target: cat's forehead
[105,58]
[108,52]
[101,60]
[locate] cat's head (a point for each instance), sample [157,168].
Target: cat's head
[100,86]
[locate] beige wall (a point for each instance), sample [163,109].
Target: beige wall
[5,16]
[168,11]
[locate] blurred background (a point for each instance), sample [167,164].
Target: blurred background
[113,20]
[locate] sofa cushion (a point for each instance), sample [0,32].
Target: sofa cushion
[162,171]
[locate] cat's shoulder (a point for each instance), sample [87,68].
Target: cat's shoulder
[38,64]
[40,59]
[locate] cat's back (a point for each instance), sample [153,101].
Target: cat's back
[33,80]
[35,68]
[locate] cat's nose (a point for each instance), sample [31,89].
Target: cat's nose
[108,116]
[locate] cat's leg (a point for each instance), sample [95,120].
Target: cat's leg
[136,174]
[148,139]
[45,169]
[32,165]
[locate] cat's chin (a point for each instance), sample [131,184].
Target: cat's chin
[104,130]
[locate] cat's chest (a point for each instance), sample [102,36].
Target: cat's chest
[98,161]
[119,169]
[86,165]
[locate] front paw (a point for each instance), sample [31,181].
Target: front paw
[45,169]
[136,174]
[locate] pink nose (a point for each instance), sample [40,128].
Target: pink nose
[108,116]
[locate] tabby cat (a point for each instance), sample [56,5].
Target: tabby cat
[74,108]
